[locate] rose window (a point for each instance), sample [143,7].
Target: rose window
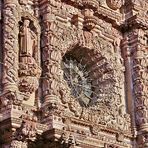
[88,77]
[78,80]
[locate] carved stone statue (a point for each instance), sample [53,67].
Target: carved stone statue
[27,40]
[29,70]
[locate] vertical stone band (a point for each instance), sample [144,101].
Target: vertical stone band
[10,46]
[140,88]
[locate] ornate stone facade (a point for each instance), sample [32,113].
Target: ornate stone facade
[74,74]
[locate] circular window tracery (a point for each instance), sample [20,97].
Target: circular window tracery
[88,75]
[78,80]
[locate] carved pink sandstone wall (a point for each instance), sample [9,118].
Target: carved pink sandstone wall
[111,42]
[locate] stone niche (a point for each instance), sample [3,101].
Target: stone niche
[29,69]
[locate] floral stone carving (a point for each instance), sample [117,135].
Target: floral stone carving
[93,4]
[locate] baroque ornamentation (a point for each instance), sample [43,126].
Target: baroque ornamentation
[142,140]
[114,4]
[18,144]
[28,129]
[29,70]
[13,97]
[140,87]
[27,5]
[68,140]
[50,67]
[115,116]
[90,20]
[93,4]
[10,47]
[74,89]
[95,129]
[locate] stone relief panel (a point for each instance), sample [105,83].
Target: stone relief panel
[10,51]
[27,5]
[140,79]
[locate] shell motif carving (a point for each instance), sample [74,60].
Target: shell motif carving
[114,4]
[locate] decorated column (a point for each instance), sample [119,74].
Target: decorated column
[10,49]
[140,82]
[51,57]
[128,61]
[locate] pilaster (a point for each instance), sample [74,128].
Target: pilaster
[10,45]
[51,57]
[140,87]
[127,49]
[136,30]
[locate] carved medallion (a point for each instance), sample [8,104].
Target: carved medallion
[114,4]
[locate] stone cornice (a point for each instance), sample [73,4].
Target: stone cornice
[137,15]
[100,11]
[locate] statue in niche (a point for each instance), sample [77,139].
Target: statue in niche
[29,70]
[28,40]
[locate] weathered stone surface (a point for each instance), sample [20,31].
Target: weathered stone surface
[74,73]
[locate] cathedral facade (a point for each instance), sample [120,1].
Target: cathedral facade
[74,74]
